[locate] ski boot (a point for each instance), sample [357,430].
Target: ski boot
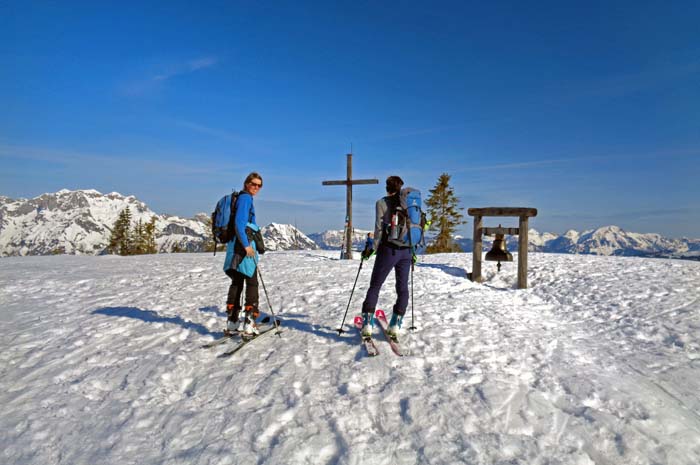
[367,325]
[241,321]
[251,313]
[394,326]
[232,320]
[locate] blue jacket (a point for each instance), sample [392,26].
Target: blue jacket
[245,216]
[245,213]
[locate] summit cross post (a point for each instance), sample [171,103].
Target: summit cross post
[349,182]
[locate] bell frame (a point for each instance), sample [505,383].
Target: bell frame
[524,214]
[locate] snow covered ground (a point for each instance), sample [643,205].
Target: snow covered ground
[598,362]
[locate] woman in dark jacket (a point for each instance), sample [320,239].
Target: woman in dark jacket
[389,257]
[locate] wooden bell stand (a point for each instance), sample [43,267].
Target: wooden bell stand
[524,214]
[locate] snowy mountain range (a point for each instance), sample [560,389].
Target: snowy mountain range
[333,239]
[286,237]
[606,240]
[79,222]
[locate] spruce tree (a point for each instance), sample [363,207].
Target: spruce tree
[150,237]
[444,215]
[126,243]
[139,239]
[208,238]
[114,238]
[119,240]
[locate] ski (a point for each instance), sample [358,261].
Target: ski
[367,343]
[380,316]
[222,340]
[245,339]
[230,336]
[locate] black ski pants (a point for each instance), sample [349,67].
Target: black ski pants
[238,280]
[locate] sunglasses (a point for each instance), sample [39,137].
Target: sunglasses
[255,184]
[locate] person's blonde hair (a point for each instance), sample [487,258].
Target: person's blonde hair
[250,177]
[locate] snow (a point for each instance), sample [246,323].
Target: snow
[598,362]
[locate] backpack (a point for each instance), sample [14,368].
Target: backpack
[223,228]
[407,220]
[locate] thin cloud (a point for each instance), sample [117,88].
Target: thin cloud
[244,144]
[681,153]
[635,82]
[524,164]
[314,204]
[202,63]
[145,85]
[651,213]
[71,158]
[209,131]
[620,85]
[415,132]
[186,68]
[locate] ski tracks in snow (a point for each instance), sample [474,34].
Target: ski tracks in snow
[101,363]
[550,384]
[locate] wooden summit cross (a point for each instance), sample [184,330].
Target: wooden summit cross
[349,182]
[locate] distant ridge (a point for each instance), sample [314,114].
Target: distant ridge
[286,237]
[606,240]
[80,222]
[334,239]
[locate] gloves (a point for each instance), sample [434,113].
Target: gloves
[414,257]
[367,253]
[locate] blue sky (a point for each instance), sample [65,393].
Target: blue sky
[587,111]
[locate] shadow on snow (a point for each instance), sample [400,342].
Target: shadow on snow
[451,270]
[213,309]
[289,321]
[295,321]
[150,316]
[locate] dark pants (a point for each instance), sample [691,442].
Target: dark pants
[387,259]
[236,289]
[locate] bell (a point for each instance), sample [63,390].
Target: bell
[498,252]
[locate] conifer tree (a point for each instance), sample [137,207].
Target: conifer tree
[116,236]
[150,236]
[139,239]
[119,240]
[444,215]
[126,244]
[208,242]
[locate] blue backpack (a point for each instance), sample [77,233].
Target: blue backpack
[407,220]
[223,226]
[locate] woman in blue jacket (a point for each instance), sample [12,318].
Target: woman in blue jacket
[241,261]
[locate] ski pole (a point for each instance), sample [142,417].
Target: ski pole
[413,263]
[340,329]
[412,327]
[267,297]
